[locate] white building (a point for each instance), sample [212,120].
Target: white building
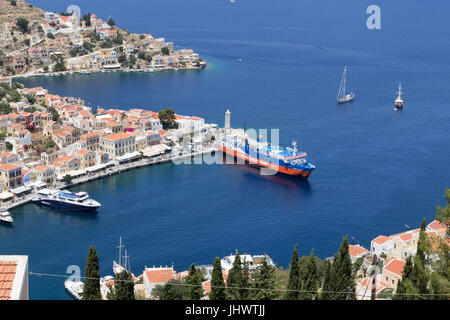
[381,245]
[13,277]
[157,276]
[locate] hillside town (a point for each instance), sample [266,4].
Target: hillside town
[47,138]
[47,42]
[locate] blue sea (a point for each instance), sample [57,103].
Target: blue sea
[377,170]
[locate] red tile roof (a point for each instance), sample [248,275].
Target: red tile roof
[160,275]
[356,250]
[381,239]
[395,266]
[436,225]
[7,274]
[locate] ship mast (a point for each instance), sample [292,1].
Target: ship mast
[341,92]
[399,90]
[120,246]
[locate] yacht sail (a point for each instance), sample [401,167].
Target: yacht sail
[342,96]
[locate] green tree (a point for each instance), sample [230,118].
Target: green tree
[22,24]
[67,179]
[91,288]
[111,22]
[8,146]
[194,288]
[168,293]
[406,289]
[123,287]
[263,282]
[308,279]
[327,283]
[165,51]
[294,277]
[342,282]
[443,214]
[217,282]
[50,35]
[87,19]
[167,119]
[236,281]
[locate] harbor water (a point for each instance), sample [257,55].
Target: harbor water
[377,169]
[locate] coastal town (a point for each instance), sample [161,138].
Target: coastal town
[54,141]
[46,43]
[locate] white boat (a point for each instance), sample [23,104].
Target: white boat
[399,101]
[66,200]
[253,261]
[342,96]
[75,288]
[5,217]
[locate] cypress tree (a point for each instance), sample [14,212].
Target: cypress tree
[327,286]
[123,287]
[405,287]
[294,277]
[420,275]
[168,293]
[263,282]
[217,282]
[194,288]
[91,288]
[342,282]
[236,281]
[308,280]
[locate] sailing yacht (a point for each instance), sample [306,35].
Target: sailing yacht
[124,261]
[342,96]
[399,101]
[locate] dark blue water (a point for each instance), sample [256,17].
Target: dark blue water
[376,169]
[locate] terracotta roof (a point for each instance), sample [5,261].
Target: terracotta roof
[395,266]
[7,274]
[118,136]
[381,239]
[8,167]
[160,275]
[436,225]
[356,250]
[40,168]
[82,151]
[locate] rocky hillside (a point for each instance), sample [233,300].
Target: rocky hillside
[10,10]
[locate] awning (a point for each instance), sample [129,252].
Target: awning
[20,190]
[129,156]
[96,167]
[6,195]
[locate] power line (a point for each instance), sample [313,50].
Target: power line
[242,288]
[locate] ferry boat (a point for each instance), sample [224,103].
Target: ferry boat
[5,217]
[253,261]
[75,288]
[342,96]
[399,101]
[263,154]
[66,200]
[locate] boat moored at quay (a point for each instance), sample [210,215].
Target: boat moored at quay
[66,200]
[263,154]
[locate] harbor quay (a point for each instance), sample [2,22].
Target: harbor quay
[108,171]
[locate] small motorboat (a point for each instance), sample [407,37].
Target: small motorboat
[5,217]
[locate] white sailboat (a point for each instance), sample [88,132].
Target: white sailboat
[342,96]
[399,101]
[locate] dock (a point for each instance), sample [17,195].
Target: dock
[8,205]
